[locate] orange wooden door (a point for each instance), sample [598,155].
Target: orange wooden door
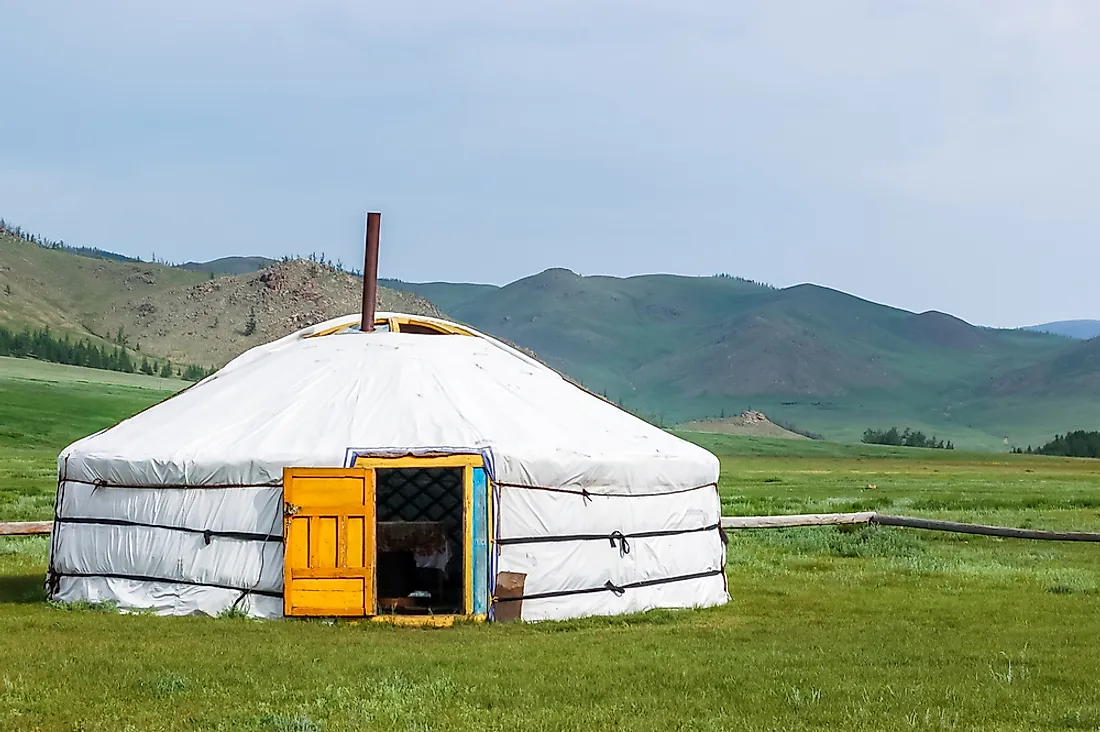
[328,524]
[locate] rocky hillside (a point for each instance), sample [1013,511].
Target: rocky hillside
[167,312]
[752,423]
[208,322]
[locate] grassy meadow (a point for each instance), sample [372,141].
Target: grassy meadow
[46,406]
[828,628]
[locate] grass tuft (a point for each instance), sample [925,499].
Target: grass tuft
[84,606]
[291,723]
[233,613]
[165,684]
[1062,590]
[1081,719]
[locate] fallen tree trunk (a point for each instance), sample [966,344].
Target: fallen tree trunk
[870,517]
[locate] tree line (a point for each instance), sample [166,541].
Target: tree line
[905,438]
[47,243]
[45,346]
[728,276]
[59,244]
[1072,444]
[323,260]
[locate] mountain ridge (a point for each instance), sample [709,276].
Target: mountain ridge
[229,265]
[672,347]
[1078,329]
[684,348]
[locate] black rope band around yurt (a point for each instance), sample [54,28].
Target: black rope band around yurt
[613,537]
[164,580]
[587,495]
[100,483]
[609,586]
[207,534]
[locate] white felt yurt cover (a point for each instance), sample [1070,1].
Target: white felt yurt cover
[179,508]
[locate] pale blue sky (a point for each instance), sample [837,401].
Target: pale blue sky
[927,154]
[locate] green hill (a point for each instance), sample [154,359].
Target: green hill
[684,348]
[1071,373]
[445,295]
[68,292]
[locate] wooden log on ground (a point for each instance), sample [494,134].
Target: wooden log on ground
[959,528]
[25,528]
[806,519]
[871,517]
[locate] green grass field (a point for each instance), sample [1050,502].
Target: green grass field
[44,407]
[828,628]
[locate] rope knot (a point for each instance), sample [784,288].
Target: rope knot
[624,545]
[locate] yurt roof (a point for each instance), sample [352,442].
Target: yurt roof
[323,394]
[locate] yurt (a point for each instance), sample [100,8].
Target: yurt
[391,467]
[419,470]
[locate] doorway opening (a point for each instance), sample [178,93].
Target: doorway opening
[421,539]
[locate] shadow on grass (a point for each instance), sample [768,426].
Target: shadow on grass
[22,589]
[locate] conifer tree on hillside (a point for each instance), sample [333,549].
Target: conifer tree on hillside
[195,373]
[43,345]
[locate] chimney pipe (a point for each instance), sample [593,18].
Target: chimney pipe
[370,273]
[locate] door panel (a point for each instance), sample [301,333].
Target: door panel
[329,531]
[329,492]
[330,596]
[297,542]
[356,549]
